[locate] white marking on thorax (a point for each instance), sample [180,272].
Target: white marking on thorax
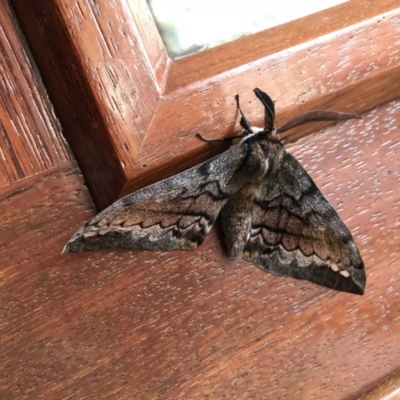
[90,234]
[255,130]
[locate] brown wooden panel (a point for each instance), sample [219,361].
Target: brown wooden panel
[353,71]
[30,137]
[388,390]
[104,67]
[179,325]
[253,48]
[104,83]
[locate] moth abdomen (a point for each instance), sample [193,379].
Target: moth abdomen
[236,219]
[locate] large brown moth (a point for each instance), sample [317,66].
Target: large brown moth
[272,213]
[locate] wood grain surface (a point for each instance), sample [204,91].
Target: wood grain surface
[131,115]
[387,390]
[30,142]
[286,38]
[185,325]
[194,325]
[104,86]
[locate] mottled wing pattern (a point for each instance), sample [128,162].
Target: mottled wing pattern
[176,213]
[296,232]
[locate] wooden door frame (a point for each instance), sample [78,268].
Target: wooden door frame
[131,114]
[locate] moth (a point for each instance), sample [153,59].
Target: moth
[272,213]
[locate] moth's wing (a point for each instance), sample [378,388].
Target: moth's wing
[296,232]
[176,213]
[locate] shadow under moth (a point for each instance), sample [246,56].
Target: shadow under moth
[272,213]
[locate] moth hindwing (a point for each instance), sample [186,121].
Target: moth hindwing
[272,213]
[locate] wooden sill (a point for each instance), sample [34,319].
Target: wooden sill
[130,114]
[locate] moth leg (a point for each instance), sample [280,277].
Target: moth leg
[244,122]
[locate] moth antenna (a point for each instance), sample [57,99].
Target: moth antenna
[244,122]
[269,113]
[314,116]
[225,139]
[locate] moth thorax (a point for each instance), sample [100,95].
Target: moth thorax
[249,134]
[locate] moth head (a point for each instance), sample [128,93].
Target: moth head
[269,132]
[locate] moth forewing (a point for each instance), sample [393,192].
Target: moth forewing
[173,214]
[272,212]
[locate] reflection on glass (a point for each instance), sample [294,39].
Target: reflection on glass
[189,26]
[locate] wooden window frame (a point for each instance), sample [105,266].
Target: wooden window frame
[131,114]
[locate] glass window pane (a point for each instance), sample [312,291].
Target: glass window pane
[189,26]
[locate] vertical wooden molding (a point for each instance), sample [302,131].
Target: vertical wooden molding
[104,73]
[30,136]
